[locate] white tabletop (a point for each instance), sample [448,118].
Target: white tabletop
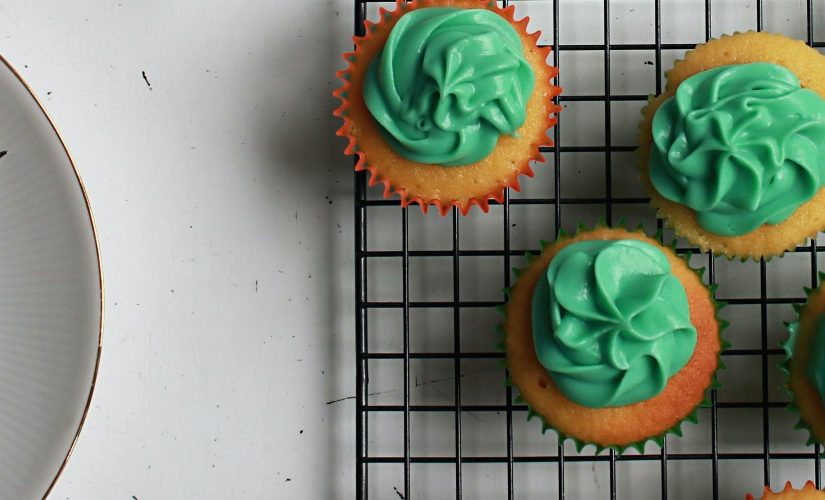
[204,136]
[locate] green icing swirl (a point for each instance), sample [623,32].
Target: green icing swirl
[611,323]
[742,145]
[816,364]
[448,83]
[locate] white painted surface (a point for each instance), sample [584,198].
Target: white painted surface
[224,211]
[225,217]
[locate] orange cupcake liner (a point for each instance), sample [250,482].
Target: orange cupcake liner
[498,171]
[808,491]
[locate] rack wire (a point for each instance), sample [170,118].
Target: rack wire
[690,467]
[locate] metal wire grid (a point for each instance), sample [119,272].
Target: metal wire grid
[364,306]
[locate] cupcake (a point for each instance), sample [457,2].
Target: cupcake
[804,364]
[733,152]
[808,492]
[446,102]
[611,338]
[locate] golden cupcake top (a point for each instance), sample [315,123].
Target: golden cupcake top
[609,327]
[446,102]
[804,364]
[731,152]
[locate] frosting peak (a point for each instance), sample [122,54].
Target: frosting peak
[611,323]
[448,82]
[742,145]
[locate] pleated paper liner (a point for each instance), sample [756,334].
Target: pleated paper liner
[767,240]
[427,184]
[623,427]
[805,401]
[807,492]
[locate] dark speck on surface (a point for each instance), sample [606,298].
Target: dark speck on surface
[288,479]
[400,495]
[301,431]
[649,63]
[146,79]
[134,497]
[339,400]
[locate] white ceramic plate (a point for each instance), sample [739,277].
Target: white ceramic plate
[50,296]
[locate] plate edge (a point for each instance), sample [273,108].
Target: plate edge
[96,240]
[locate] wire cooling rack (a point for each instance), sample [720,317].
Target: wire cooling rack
[434,417]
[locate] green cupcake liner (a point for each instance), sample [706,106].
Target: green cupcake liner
[785,365]
[639,446]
